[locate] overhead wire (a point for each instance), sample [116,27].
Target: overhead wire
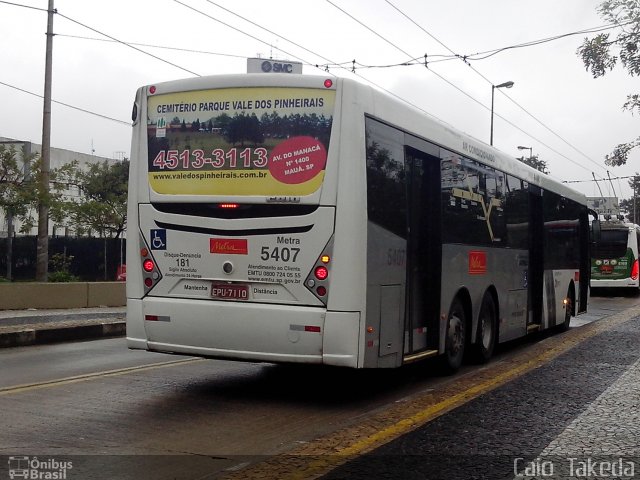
[67,105]
[456,87]
[23,6]
[469,57]
[126,44]
[240,31]
[131,45]
[490,53]
[270,31]
[316,65]
[595,180]
[506,95]
[149,45]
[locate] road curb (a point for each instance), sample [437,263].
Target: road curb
[55,334]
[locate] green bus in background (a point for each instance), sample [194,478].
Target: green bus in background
[614,258]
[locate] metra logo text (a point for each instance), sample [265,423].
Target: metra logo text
[231,246]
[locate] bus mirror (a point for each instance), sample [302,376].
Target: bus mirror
[595,231]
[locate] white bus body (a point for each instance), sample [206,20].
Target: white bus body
[318,228]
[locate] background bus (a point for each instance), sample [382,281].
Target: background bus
[614,257]
[290,218]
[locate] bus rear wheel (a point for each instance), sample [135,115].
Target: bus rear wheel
[487,326]
[455,338]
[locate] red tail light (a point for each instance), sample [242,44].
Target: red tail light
[321,273]
[317,280]
[634,270]
[150,271]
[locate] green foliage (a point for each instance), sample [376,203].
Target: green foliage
[21,188]
[632,205]
[535,162]
[59,265]
[602,53]
[18,185]
[102,204]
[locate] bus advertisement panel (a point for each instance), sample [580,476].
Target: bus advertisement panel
[239,141]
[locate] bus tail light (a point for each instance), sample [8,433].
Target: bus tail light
[318,279]
[321,272]
[150,272]
[634,270]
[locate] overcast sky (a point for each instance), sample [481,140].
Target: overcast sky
[579,119]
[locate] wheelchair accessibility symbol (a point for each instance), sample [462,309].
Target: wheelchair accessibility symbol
[158,239]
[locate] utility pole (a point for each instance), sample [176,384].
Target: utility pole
[42,251]
[635,185]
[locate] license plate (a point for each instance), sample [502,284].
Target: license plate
[230,291]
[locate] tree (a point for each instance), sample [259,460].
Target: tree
[102,203]
[602,53]
[535,162]
[632,205]
[21,192]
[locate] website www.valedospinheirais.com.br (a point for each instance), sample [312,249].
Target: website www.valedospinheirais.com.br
[206,175]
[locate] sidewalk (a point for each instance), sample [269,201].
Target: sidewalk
[33,327]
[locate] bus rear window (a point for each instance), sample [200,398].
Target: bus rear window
[612,244]
[239,141]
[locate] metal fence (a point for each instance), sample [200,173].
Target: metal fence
[86,259]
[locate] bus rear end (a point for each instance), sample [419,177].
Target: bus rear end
[614,258]
[231,220]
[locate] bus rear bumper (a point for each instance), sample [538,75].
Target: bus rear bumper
[247,331]
[623,283]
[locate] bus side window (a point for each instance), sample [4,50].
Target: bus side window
[516,212]
[386,178]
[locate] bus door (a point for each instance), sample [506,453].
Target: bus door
[585,263]
[536,259]
[424,252]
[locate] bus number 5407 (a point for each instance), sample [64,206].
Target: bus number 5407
[284,254]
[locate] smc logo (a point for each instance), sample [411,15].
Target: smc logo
[276,67]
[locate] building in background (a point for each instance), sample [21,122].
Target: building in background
[59,157]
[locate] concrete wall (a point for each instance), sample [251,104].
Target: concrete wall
[18,296]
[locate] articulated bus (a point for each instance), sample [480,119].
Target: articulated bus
[307,219]
[614,257]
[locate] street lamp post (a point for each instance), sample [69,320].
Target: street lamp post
[520,147]
[508,84]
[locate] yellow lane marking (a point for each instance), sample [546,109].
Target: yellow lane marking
[327,453]
[92,376]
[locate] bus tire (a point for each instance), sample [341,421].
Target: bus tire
[568,310]
[456,337]
[482,350]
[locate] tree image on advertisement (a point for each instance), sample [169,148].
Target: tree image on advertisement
[240,130]
[244,128]
[535,162]
[603,52]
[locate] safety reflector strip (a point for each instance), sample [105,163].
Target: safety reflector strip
[305,328]
[157,318]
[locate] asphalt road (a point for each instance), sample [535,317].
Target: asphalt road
[211,417]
